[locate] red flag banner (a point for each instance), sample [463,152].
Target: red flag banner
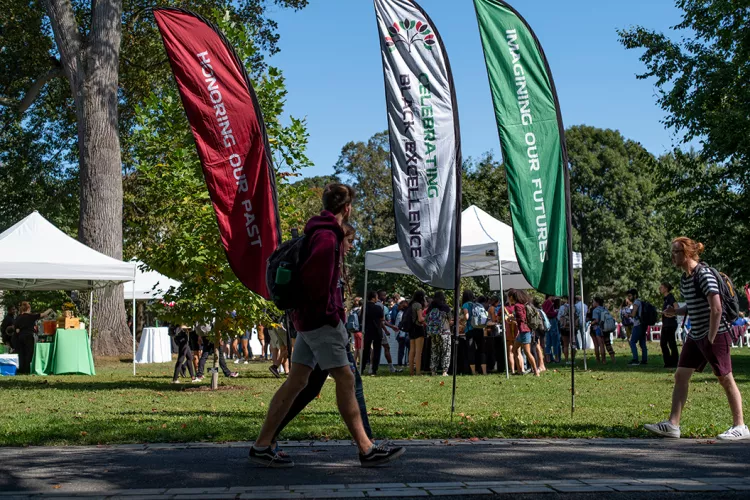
[231,139]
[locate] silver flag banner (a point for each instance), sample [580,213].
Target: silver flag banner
[424,140]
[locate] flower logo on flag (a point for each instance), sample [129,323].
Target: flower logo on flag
[410,32]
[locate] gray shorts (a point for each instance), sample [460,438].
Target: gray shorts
[278,337]
[325,346]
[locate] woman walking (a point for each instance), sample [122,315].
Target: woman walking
[518,300]
[439,328]
[416,332]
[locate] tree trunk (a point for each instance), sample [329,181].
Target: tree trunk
[100,223]
[91,67]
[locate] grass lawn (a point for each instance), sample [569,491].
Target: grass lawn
[115,407]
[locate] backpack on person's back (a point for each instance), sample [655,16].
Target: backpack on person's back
[533,318]
[479,316]
[609,324]
[352,321]
[563,317]
[647,313]
[436,321]
[283,272]
[730,305]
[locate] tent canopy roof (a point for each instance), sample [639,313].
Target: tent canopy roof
[484,241]
[149,285]
[35,255]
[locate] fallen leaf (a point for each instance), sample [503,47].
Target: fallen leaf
[462,414]
[200,417]
[84,433]
[495,415]
[57,486]
[377,409]
[442,383]
[163,426]
[184,426]
[474,439]
[425,403]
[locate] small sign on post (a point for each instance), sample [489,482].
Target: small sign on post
[577,260]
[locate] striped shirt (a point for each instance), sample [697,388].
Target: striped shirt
[697,305]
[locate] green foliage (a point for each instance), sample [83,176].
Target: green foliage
[484,185]
[702,85]
[616,214]
[170,223]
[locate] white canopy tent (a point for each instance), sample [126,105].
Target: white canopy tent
[487,249]
[149,285]
[35,255]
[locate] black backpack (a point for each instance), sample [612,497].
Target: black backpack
[407,320]
[283,269]
[283,273]
[648,314]
[730,304]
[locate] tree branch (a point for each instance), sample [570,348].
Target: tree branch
[68,40]
[36,87]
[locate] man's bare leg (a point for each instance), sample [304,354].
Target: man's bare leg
[283,400]
[348,407]
[680,393]
[734,397]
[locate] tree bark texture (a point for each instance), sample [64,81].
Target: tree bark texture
[91,67]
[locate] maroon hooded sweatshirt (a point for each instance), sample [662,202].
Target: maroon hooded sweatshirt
[321,275]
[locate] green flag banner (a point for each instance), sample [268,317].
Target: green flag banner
[532,142]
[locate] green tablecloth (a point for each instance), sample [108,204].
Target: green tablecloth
[40,363]
[69,353]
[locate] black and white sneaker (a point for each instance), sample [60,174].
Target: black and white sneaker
[634,363]
[275,371]
[269,457]
[665,429]
[380,455]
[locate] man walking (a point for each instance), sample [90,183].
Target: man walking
[639,330]
[374,323]
[708,342]
[322,338]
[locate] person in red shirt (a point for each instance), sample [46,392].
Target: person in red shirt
[322,338]
[518,300]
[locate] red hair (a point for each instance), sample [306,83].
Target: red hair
[693,249]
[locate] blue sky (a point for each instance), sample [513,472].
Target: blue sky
[330,56]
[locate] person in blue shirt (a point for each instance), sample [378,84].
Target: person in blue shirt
[741,321]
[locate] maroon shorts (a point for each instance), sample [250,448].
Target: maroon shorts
[697,353]
[358,341]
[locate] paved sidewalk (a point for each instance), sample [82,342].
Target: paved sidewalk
[570,468]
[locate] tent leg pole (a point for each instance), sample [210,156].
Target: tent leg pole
[91,316]
[502,308]
[583,319]
[133,327]
[364,317]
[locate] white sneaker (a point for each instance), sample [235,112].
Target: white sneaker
[666,429]
[246,362]
[177,382]
[236,361]
[735,433]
